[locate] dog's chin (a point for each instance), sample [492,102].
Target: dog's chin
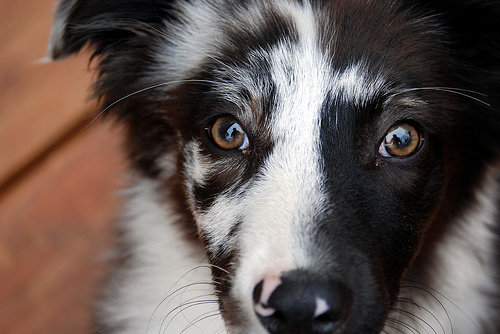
[247,323]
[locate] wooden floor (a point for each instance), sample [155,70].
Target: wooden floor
[59,179]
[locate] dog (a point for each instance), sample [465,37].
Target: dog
[300,166]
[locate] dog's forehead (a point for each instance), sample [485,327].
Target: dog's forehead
[296,68]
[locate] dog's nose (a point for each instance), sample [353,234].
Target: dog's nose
[300,303]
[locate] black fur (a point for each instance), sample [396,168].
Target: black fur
[363,229]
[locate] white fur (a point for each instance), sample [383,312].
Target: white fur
[162,263]
[352,85]
[463,271]
[278,206]
[195,170]
[186,46]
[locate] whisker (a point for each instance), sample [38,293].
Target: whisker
[447,299]
[458,91]
[200,296]
[181,290]
[222,330]
[436,299]
[183,307]
[210,266]
[409,314]
[405,325]
[184,276]
[172,295]
[438,88]
[394,327]
[195,299]
[408,300]
[142,90]
[199,319]
[220,268]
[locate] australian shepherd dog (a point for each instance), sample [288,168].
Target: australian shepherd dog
[300,166]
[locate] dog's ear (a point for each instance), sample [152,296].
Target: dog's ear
[103,24]
[474,27]
[471,32]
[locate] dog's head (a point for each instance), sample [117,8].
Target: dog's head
[317,141]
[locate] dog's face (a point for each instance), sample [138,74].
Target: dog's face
[316,142]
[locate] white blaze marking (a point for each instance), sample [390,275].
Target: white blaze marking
[282,201]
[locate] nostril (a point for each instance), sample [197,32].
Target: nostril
[261,294]
[326,317]
[257,291]
[337,308]
[326,321]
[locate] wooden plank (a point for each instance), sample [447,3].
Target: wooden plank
[55,235]
[38,103]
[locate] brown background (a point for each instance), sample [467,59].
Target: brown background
[59,178]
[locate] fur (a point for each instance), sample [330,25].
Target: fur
[237,241]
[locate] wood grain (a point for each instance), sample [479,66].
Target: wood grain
[38,102]
[58,181]
[56,235]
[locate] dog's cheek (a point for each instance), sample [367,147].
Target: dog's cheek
[406,208]
[218,228]
[195,168]
[216,214]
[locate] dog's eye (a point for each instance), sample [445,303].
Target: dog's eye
[229,135]
[400,141]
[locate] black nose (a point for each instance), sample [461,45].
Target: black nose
[300,303]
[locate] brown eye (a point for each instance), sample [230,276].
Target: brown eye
[228,134]
[401,141]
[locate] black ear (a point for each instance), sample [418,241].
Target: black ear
[476,26]
[470,30]
[103,24]
[473,27]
